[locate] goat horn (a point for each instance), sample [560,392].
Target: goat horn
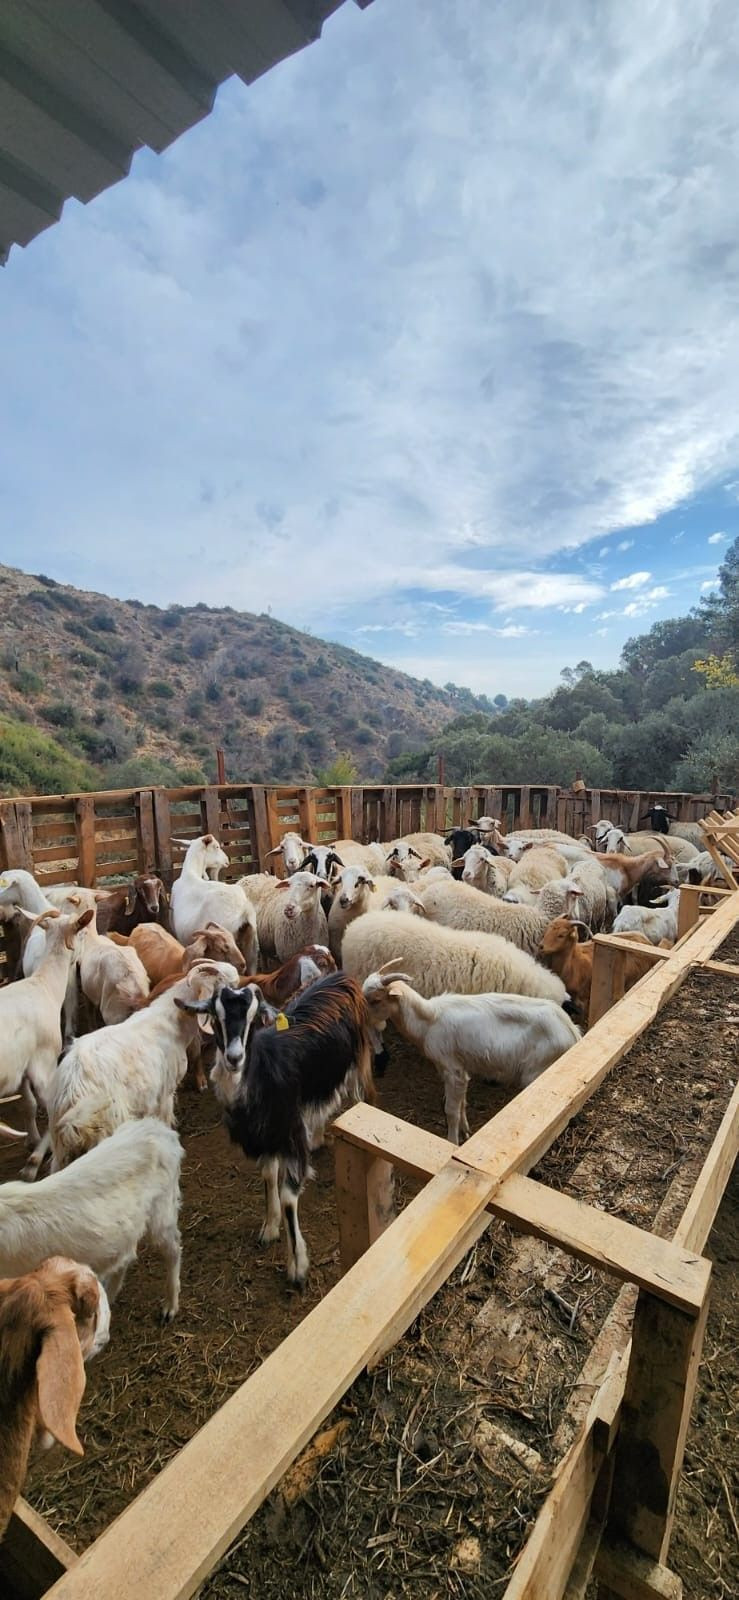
[394,962]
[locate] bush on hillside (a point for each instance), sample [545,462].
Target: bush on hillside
[31,762]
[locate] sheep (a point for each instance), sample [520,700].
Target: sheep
[482,870]
[355,892]
[52,1320]
[562,951]
[510,1038]
[407,868]
[403,898]
[128,1070]
[163,956]
[112,978]
[430,846]
[514,843]
[99,1209]
[323,860]
[289,913]
[292,848]
[443,959]
[585,891]
[661,822]
[691,831]
[285,1088]
[30,1026]
[197,900]
[612,840]
[537,866]
[128,906]
[702,869]
[658,921]
[456,905]
[354,854]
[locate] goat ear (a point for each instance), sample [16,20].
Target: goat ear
[193,1006]
[60,1375]
[282,883]
[275,851]
[392,987]
[85,920]
[130,899]
[425,863]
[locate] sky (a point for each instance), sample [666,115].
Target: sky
[428,341]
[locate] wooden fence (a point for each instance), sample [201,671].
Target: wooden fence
[610,1510]
[93,838]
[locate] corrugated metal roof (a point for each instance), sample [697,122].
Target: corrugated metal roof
[85,83]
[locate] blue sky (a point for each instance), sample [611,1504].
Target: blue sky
[428,341]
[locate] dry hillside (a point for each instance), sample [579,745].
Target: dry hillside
[137,691]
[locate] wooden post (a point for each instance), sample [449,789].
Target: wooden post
[221,766]
[358,830]
[364,1200]
[210,811]
[440,768]
[307,812]
[17,834]
[344,814]
[525,818]
[163,825]
[84,821]
[261,842]
[32,1555]
[663,1369]
[608,969]
[389,814]
[145,830]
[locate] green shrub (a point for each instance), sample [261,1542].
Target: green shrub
[49,583]
[32,762]
[214,692]
[60,714]
[160,689]
[102,622]
[27,682]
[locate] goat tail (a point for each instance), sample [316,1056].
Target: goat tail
[119,938]
[364,1069]
[79,1129]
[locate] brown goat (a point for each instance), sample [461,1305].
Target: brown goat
[572,961]
[51,1321]
[123,909]
[164,957]
[293,975]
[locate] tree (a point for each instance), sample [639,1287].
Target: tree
[341,771]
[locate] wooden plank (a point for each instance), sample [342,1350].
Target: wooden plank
[262,842]
[666,1348]
[16,850]
[389,815]
[32,1555]
[525,816]
[344,813]
[705,1200]
[726,969]
[632,1576]
[163,826]
[529,1123]
[55,852]
[608,969]
[308,819]
[615,941]
[364,1199]
[146,831]
[629,1253]
[173,1534]
[84,816]
[544,1566]
[359,829]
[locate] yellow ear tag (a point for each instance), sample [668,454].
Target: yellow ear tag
[281,1022]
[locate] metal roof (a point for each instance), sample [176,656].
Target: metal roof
[84,84]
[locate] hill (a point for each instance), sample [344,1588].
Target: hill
[667,718]
[96,692]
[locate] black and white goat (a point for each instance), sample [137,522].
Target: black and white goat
[281,1075]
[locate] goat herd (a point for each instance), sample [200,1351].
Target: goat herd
[477,947]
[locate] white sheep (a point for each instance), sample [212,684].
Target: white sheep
[515,843]
[441,960]
[425,846]
[30,1026]
[456,905]
[584,892]
[197,900]
[130,1069]
[536,866]
[484,871]
[289,914]
[355,893]
[292,848]
[112,976]
[99,1209]
[403,898]
[354,854]
[510,1038]
[657,922]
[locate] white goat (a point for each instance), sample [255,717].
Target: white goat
[197,900]
[30,1027]
[131,1069]
[99,1209]
[289,914]
[657,922]
[112,976]
[510,1038]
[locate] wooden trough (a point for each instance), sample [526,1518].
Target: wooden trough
[610,1511]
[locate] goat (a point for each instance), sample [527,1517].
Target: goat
[112,978]
[510,1038]
[30,1026]
[658,921]
[197,899]
[563,952]
[280,1094]
[99,1209]
[52,1320]
[659,818]
[164,957]
[624,873]
[128,1070]
[133,905]
[294,974]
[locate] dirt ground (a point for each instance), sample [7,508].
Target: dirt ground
[430,1483]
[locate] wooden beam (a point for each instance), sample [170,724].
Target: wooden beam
[700,1212]
[32,1555]
[146,833]
[633,1576]
[364,1199]
[163,825]
[84,818]
[629,1253]
[627,947]
[725,969]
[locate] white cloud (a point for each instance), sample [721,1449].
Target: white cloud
[626,544]
[647,601]
[514,631]
[709,584]
[635,580]
[676,537]
[459,378]
[466,627]
[603,551]
[716,538]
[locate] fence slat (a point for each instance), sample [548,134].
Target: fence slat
[163,824]
[146,831]
[84,815]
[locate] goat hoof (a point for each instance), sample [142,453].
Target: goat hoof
[297,1285]
[267,1236]
[166,1316]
